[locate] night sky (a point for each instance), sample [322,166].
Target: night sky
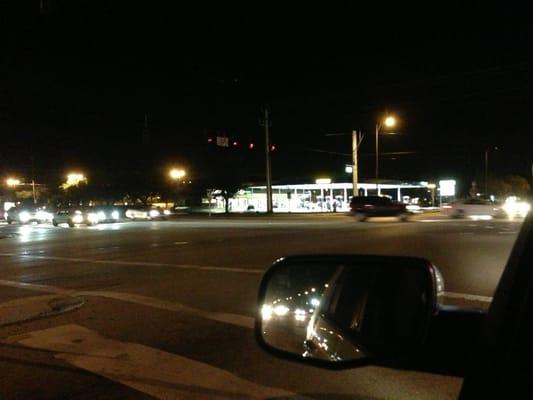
[76,79]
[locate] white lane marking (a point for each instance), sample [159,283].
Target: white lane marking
[135,263]
[435,220]
[181,242]
[508,233]
[228,318]
[465,296]
[152,371]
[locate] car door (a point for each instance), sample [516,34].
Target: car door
[502,365]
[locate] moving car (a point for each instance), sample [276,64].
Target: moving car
[26,215]
[73,217]
[108,213]
[475,208]
[364,317]
[363,207]
[146,213]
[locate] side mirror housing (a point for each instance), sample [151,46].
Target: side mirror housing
[342,311]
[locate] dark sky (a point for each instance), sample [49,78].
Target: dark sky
[78,77]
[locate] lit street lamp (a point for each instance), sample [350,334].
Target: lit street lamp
[388,122]
[74,179]
[12,182]
[177,174]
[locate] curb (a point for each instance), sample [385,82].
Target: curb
[33,308]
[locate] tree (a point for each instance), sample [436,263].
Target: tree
[510,185]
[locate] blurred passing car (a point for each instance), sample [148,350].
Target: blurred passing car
[26,215]
[73,217]
[363,207]
[474,208]
[147,213]
[516,208]
[108,214]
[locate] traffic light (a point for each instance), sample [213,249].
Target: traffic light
[235,143]
[209,140]
[251,146]
[273,147]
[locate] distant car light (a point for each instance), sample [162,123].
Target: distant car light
[115,215]
[514,207]
[154,213]
[480,217]
[24,216]
[92,218]
[166,212]
[101,216]
[281,310]
[266,312]
[44,215]
[77,219]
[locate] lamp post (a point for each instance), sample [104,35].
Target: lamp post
[487,170]
[74,179]
[13,182]
[388,122]
[177,175]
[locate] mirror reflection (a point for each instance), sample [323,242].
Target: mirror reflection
[346,311]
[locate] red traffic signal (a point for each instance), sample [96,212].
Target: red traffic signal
[251,146]
[209,140]
[235,143]
[273,147]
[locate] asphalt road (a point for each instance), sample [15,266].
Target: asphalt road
[164,309]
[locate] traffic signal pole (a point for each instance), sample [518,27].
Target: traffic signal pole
[267,161]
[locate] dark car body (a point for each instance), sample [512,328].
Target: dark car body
[376,206]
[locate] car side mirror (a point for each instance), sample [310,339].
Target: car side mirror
[342,311]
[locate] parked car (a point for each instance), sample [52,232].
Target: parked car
[28,214]
[363,207]
[475,208]
[73,217]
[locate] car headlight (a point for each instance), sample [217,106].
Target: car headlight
[166,212]
[24,216]
[92,218]
[154,213]
[115,215]
[101,216]
[77,219]
[43,215]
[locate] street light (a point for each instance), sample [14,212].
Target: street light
[12,182]
[177,174]
[388,122]
[74,179]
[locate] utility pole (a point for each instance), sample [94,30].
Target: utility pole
[486,173]
[355,168]
[33,191]
[377,159]
[266,123]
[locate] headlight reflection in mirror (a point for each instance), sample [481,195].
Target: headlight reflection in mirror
[341,312]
